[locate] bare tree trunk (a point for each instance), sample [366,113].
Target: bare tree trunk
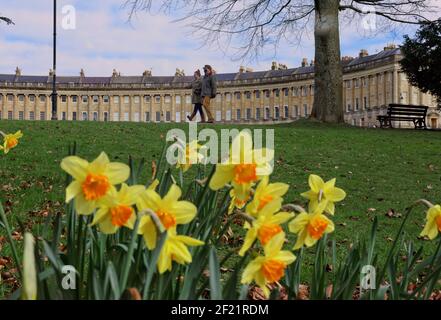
[328,96]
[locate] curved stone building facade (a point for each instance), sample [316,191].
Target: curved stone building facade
[371,82]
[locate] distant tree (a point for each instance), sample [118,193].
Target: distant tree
[6,20]
[254,24]
[422,59]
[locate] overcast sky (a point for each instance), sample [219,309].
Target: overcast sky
[103,41]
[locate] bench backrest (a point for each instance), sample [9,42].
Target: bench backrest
[407,110]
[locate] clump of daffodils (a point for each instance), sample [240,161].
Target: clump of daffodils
[98,188]
[10,141]
[260,203]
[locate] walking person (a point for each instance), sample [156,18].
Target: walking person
[196,98]
[209,90]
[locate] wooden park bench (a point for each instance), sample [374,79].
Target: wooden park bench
[404,113]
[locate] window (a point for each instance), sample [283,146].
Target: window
[365,102]
[84,116]
[95,116]
[106,117]
[136,99]
[136,117]
[42,99]
[248,115]
[1,97]
[63,116]
[178,99]
[106,99]
[31,115]
[63,99]
[177,116]
[158,116]
[116,99]
[126,99]
[364,81]
[348,108]
[238,114]
[296,111]
[357,104]
[167,99]
[286,92]
[21,97]
[267,113]
[42,115]
[257,113]
[238,95]
[20,115]
[348,84]
[147,99]
[168,116]
[267,93]
[305,110]
[295,92]
[188,99]
[31,98]
[116,116]
[248,94]
[257,93]
[312,89]
[228,95]
[286,112]
[10,97]
[277,93]
[147,117]
[10,115]
[304,91]
[218,115]
[228,115]
[158,99]
[357,83]
[74,116]
[276,113]
[126,116]
[84,99]
[74,99]
[95,99]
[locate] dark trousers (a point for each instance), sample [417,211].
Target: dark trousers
[198,108]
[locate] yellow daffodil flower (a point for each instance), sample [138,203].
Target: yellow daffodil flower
[310,227]
[265,193]
[235,202]
[116,209]
[29,290]
[92,181]
[266,226]
[10,141]
[244,167]
[433,224]
[271,267]
[189,155]
[175,249]
[321,191]
[169,210]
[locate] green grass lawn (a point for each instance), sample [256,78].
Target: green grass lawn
[380,170]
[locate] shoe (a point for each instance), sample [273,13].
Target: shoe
[210,121]
[189,118]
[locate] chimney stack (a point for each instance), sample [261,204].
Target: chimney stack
[242,69]
[274,66]
[17,72]
[305,62]
[363,53]
[390,46]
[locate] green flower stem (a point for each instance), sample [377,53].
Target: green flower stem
[11,241]
[125,274]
